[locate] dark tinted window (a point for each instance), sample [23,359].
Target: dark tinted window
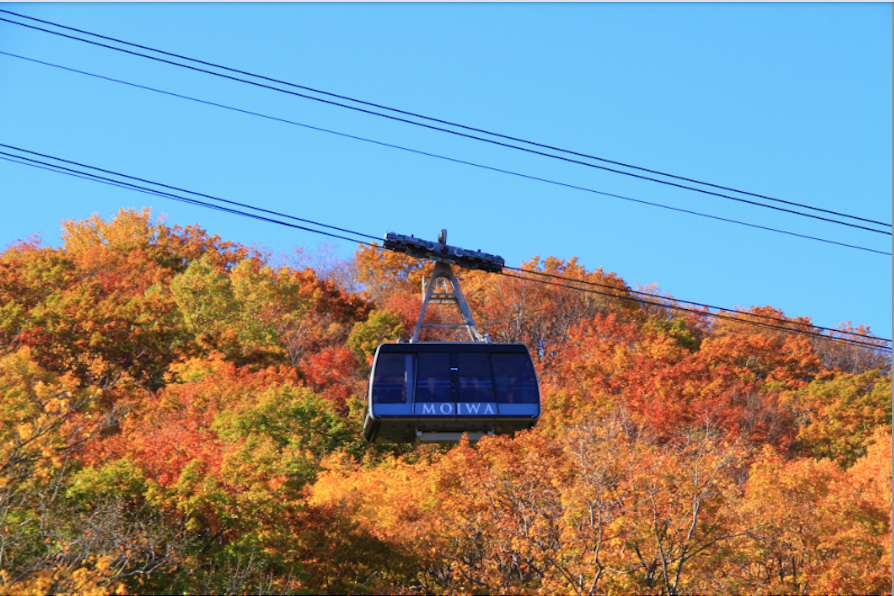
[514,375]
[392,377]
[475,383]
[433,377]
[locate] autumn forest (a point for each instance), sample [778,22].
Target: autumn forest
[182,414]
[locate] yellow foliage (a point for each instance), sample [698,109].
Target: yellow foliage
[82,580]
[25,431]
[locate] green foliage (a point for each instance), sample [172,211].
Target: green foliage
[205,300]
[676,329]
[293,426]
[839,416]
[120,479]
[382,326]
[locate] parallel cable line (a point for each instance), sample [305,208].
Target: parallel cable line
[698,312]
[461,134]
[443,157]
[83,176]
[199,194]
[720,308]
[129,186]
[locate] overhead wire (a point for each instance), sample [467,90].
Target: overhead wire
[444,157]
[130,186]
[84,176]
[440,129]
[720,308]
[127,185]
[517,269]
[703,313]
[187,191]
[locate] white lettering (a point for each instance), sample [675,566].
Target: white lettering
[449,408]
[472,408]
[488,409]
[428,409]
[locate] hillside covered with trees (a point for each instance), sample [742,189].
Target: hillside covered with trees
[181,414]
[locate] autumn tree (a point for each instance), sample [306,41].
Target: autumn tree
[820,529]
[45,545]
[839,416]
[180,413]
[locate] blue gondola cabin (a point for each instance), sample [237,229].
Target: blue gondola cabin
[436,391]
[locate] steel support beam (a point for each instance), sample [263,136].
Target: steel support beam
[453,295]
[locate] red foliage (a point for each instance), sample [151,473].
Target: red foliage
[332,372]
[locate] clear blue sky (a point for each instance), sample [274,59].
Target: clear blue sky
[788,100]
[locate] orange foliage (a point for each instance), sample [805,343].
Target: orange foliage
[178,388]
[822,529]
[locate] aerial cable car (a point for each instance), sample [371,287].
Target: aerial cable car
[436,391]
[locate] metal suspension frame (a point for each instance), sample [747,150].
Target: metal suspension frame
[444,256]
[452,295]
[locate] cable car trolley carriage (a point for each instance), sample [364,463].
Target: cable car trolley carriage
[438,391]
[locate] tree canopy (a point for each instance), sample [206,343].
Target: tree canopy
[181,415]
